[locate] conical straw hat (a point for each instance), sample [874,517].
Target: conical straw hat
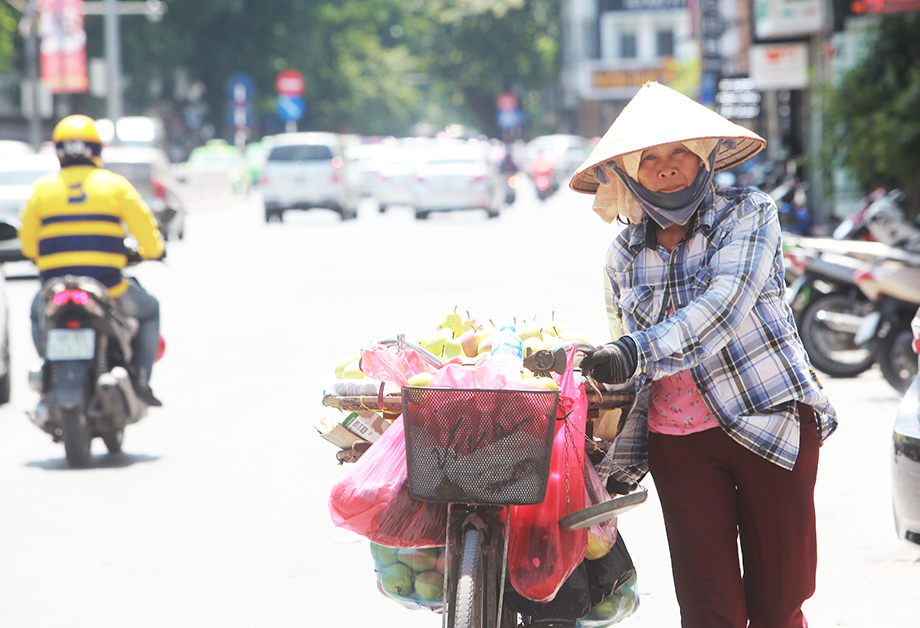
[660,115]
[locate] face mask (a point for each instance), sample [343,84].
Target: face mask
[668,209]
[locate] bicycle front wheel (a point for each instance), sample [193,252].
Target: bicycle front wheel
[469,581]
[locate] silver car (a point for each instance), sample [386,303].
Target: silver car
[307,171]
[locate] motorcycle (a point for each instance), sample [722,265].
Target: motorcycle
[894,286]
[543,175]
[86,383]
[828,306]
[881,219]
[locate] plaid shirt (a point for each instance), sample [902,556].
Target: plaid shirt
[731,328]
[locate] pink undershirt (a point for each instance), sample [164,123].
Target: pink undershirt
[676,406]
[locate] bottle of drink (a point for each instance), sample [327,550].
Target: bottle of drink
[508,352]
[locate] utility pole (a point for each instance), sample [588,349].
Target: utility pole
[114,108]
[27,29]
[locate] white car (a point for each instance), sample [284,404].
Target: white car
[394,176]
[455,177]
[17,176]
[307,171]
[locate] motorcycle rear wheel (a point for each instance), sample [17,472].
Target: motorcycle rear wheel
[896,358]
[831,351]
[78,437]
[113,441]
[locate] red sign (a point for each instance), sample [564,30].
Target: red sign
[884,6]
[290,83]
[63,46]
[506,102]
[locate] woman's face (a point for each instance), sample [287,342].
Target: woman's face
[668,168]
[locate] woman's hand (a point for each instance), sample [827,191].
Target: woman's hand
[613,363]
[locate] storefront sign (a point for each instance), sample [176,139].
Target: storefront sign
[779,66]
[774,19]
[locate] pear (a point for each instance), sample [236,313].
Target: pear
[546,382]
[435,342]
[469,341]
[453,322]
[421,379]
[485,345]
[453,348]
[573,336]
[470,322]
[429,585]
[531,329]
[340,367]
[533,343]
[353,370]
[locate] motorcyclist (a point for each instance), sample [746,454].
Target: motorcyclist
[75,224]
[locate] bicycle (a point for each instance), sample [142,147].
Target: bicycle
[461,451]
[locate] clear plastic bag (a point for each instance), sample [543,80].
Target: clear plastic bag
[601,536]
[412,577]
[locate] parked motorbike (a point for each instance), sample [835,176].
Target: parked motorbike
[893,285]
[881,219]
[86,383]
[828,306]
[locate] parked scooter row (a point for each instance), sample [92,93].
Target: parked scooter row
[853,302]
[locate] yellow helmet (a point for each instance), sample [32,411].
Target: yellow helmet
[77,141]
[76,128]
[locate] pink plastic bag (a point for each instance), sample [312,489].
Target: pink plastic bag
[540,554]
[601,536]
[373,499]
[385,364]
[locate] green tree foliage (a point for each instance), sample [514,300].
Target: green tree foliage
[371,66]
[874,111]
[9,21]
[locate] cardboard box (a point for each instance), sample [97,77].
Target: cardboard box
[368,425]
[336,433]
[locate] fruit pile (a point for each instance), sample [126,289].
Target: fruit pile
[468,339]
[614,608]
[412,577]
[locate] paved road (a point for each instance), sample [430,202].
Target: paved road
[216,513]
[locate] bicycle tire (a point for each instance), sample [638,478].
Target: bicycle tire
[468,580]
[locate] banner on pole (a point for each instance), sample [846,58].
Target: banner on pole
[63,46]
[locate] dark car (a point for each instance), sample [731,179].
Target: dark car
[905,463]
[151,173]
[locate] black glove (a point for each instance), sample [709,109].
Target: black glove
[613,363]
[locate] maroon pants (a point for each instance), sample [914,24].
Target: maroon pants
[713,491]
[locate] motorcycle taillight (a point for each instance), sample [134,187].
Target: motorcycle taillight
[78,297]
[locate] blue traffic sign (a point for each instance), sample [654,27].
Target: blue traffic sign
[290,108]
[240,81]
[509,118]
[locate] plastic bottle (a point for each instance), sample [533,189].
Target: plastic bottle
[508,352]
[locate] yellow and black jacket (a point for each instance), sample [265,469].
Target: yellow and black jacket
[74,224]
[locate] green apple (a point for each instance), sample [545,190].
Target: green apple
[607,607]
[441,560]
[383,555]
[453,322]
[419,559]
[429,585]
[353,370]
[452,348]
[421,379]
[397,579]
